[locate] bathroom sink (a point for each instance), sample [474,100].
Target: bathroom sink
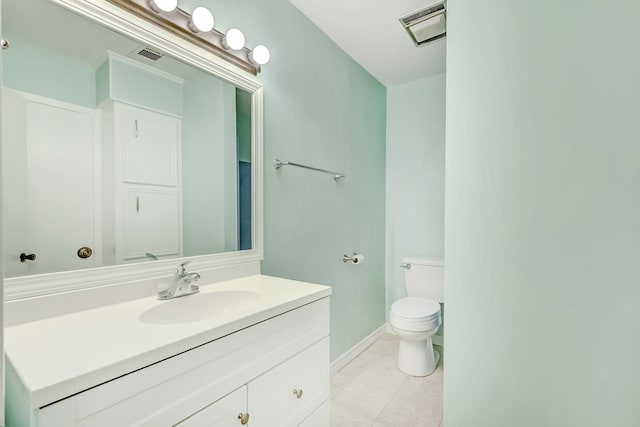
[198,307]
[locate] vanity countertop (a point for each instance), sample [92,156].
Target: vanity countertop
[64,355]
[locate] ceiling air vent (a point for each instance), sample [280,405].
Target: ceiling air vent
[426,25]
[150,54]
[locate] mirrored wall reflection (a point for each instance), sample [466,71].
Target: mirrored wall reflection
[114,152]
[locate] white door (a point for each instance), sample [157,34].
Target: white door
[54,201]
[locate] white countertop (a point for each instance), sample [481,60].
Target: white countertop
[61,356]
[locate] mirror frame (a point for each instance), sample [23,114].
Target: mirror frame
[119,20]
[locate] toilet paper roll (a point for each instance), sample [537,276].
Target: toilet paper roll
[357,259]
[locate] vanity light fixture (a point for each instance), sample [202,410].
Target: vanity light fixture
[201,20]
[198,28]
[163,5]
[234,39]
[260,55]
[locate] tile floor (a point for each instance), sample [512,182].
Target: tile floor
[371,391]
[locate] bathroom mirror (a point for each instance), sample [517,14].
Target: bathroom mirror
[124,149]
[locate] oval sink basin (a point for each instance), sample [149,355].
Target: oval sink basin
[198,307]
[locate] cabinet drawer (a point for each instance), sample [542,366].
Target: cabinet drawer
[221,413]
[288,393]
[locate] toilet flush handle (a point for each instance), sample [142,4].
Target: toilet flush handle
[406,265]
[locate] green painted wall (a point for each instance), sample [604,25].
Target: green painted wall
[41,71]
[322,109]
[230,163]
[415,177]
[103,86]
[542,214]
[138,86]
[243,124]
[203,171]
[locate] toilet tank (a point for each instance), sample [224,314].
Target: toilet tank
[425,278]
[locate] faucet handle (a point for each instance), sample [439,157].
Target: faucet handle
[182,268]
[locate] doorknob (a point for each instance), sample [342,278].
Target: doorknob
[24,257]
[85,252]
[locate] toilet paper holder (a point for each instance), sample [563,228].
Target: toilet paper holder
[354,259]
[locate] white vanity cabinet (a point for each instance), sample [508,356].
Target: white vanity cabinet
[284,396]
[274,373]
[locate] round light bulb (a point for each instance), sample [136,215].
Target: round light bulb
[234,39]
[201,19]
[163,5]
[260,55]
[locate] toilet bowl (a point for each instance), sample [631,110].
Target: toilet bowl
[416,320]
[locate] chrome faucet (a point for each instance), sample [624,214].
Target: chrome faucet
[183,283]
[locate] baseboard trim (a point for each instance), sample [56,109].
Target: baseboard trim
[351,354]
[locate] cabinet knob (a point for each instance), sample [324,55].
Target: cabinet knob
[244,418]
[297,393]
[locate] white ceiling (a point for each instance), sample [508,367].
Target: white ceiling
[369,31]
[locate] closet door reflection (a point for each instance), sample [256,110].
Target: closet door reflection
[51,191]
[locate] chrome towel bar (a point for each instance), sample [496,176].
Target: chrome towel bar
[279,163]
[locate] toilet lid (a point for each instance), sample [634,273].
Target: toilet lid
[416,308]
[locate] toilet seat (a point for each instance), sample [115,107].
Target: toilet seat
[415,314]
[416,308]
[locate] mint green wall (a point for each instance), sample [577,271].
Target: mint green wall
[243,124]
[230,163]
[140,87]
[103,87]
[323,109]
[542,234]
[41,71]
[415,177]
[203,166]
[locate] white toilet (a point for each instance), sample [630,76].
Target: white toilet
[417,318]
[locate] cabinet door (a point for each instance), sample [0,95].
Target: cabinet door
[221,413]
[151,222]
[291,391]
[151,143]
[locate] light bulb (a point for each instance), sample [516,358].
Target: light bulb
[260,55]
[233,40]
[163,5]
[201,20]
